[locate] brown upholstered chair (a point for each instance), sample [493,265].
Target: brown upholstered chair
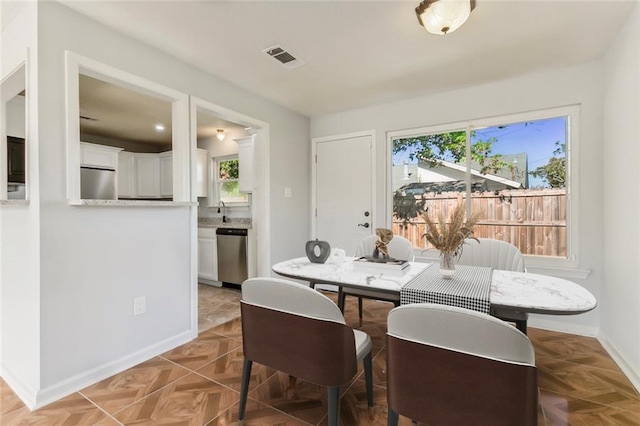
[496,254]
[453,366]
[399,248]
[295,329]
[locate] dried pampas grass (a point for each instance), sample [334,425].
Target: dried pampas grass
[449,237]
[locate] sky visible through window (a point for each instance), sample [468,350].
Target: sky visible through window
[535,138]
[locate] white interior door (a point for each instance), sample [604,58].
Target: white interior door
[344,188]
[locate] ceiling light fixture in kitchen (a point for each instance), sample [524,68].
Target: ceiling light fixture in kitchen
[159,128]
[444,16]
[220,135]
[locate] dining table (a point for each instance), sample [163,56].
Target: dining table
[505,290]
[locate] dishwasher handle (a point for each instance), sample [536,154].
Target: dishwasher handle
[239,232]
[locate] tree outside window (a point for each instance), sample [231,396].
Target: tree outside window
[515,175]
[227,183]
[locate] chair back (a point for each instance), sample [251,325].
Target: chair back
[399,247]
[295,329]
[492,253]
[448,365]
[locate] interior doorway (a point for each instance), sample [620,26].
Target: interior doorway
[216,129]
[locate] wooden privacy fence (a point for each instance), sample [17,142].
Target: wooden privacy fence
[534,220]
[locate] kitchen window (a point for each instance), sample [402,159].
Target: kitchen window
[226,181]
[515,169]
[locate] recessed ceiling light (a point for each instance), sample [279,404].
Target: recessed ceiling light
[159,127]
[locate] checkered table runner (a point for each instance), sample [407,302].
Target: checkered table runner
[469,288]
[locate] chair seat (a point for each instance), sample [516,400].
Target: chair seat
[363,344]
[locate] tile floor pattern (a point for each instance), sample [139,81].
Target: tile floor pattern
[198,384]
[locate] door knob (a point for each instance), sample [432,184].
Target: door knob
[366,224]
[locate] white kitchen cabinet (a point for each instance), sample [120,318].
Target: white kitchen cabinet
[126,175]
[93,155]
[147,175]
[166,174]
[246,148]
[202,172]
[207,254]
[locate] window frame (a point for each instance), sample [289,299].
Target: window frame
[11,85]
[572,112]
[217,182]
[74,66]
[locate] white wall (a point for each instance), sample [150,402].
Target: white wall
[95,260]
[576,85]
[19,224]
[621,156]
[16,120]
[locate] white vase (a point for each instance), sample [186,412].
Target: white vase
[447,265]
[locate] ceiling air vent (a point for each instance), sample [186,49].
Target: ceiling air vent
[285,58]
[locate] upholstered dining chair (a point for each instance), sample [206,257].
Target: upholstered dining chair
[496,254]
[453,366]
[297,330]
[399,248]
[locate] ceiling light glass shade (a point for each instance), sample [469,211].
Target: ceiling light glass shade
[220,135]
[444,16]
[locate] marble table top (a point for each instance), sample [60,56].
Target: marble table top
[517,291]
[522,291]
[342,274]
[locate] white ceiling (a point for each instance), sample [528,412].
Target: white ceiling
[114,112]
[360,52]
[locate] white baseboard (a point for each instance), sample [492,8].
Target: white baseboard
[626,368]
[35,400]
[563,326]
[327,287]
[209,282]
[24,391]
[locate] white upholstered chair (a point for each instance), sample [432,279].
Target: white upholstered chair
[295,329]
[496,254]
[398,248]
[453,366]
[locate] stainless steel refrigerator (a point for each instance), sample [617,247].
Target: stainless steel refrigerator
[97,183]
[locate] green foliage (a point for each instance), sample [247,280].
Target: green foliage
[433,149]
[407,207]
[229,169]
[555,171]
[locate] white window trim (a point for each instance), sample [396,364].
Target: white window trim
[74,66]
[217,181]
[13,83]
[554,266]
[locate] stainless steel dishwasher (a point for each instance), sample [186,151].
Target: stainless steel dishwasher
[232,255]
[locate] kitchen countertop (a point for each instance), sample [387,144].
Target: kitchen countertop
[216,222]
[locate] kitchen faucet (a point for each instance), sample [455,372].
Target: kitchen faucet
[224,211]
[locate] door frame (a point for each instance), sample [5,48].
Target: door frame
[333,138]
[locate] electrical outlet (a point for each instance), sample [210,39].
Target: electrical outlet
[139,305]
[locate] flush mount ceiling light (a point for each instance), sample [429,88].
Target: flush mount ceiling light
[159,128]
[444,16]
[220,135]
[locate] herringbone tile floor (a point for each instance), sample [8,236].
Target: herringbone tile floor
[198,384]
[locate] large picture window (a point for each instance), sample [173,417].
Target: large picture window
[514,169]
